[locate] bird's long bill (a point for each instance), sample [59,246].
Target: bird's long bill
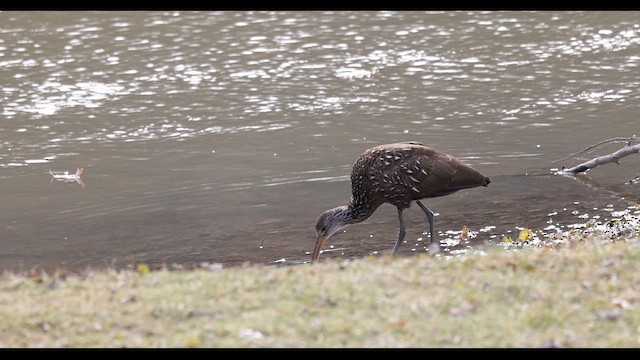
[316,250]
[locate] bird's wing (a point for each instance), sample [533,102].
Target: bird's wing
[426,172]
[407,170]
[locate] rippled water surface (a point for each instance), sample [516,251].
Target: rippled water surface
[204,135]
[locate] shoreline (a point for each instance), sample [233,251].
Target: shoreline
[576,290]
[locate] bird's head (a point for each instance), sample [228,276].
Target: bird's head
[328,223]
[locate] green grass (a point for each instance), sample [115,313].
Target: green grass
[582,295]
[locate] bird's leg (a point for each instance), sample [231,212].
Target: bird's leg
[401,233]
[429,217]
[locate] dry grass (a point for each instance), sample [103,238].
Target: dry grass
[581,296]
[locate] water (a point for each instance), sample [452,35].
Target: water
[204,135]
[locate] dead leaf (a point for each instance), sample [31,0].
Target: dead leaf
[464,234]
[143,269]
[525,234]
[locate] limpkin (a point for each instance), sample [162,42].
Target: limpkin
[397,174]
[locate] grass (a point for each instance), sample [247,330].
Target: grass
[579,295]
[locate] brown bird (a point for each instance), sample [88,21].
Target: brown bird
[397,174]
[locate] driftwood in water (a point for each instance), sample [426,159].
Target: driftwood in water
[614,157]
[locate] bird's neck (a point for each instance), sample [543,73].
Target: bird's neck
[360,210]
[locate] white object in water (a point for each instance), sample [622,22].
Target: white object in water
[64,176]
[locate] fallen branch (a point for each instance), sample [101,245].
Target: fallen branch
[595,146]
[614,157]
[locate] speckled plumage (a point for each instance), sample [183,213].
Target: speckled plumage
[397,174]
